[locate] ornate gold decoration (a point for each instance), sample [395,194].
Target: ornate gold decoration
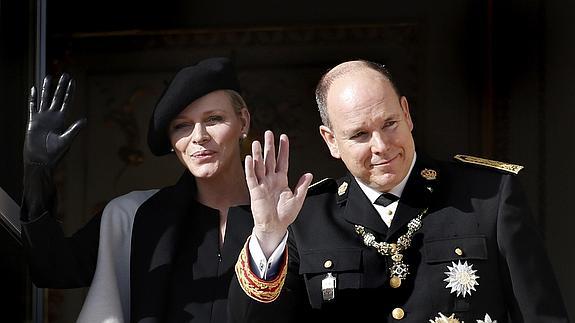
[258,289]
[511,168]
[398,270]
[429,174]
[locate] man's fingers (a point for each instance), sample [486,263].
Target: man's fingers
[68,96]
[283,155]
[251,179]
[59,93]
[302,186]
[269,152]
[259,167]
[45,95]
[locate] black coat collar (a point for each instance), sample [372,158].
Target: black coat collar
[154,236]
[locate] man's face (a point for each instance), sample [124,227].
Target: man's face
[370,129]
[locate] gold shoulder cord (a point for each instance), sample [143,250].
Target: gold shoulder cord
[511,168]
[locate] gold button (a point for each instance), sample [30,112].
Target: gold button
[395,282]
[327,264]
[398,313]
[458,252]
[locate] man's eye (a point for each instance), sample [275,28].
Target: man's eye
[389,124]
[357,135]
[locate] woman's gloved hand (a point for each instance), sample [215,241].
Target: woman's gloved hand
[46,140]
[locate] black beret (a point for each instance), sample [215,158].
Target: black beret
[189,84]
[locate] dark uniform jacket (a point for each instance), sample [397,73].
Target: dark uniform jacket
[178,273]
[476,216]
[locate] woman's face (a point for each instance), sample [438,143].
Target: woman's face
[205,135]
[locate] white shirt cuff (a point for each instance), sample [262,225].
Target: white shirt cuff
[266,268]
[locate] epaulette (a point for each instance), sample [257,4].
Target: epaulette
[324,185]
[506,167]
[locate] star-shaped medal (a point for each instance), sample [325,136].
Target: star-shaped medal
[444,319]
[487,319]
[461,278]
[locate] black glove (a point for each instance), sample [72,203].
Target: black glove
[45,142]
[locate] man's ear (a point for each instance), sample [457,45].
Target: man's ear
[406,114]
[329,139]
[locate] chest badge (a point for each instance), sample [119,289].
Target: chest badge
[328,286]
[461,278]
[445,319]
[487,319]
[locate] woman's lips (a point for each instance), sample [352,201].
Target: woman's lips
[203,154]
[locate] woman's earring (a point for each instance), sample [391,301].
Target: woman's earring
[172,150]
[244,135]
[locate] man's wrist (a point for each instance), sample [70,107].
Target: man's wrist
[269,240]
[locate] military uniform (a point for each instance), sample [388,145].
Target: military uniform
[476,236]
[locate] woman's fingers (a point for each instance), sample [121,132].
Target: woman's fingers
[45,95]
[32,104]
[60,92]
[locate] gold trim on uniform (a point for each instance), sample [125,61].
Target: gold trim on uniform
[264,291]
[512,168]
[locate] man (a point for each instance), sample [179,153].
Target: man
[400,238]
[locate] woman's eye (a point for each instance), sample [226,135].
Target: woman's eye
[214,119]
[179,126]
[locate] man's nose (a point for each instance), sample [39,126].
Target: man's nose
[378,143]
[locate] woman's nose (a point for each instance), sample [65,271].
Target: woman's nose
[200,135]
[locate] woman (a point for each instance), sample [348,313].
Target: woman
[159,255]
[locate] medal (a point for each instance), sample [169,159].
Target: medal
[445,319]
[328,285]
[398,270]
[487,319]
[461,278]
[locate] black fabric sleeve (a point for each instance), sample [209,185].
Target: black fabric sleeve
[56,261]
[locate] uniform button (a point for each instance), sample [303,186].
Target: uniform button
[327,264]
[458,251]
[398,313]
[390,212]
